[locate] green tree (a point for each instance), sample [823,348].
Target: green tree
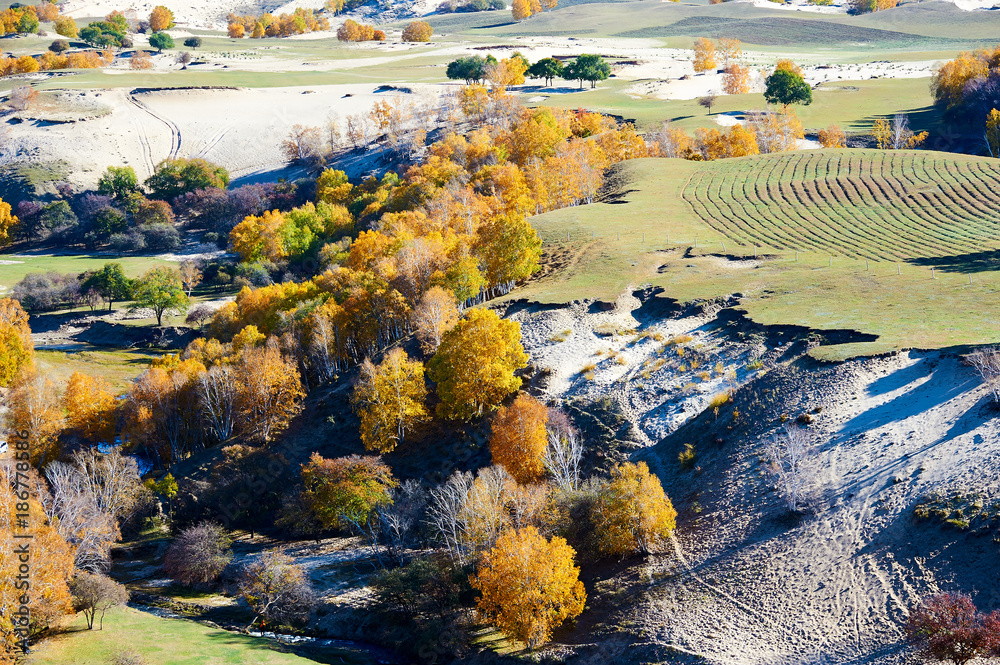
[591,68]
[173,177]
[161,290]
[109,221]
[165,487]
[470,68]
[193,42]
[109,282]
[160,41]
[786,87]
[28,23]
[546,68]
[104,33]
[118,182]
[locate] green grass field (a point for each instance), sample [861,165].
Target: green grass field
[667,229]
[13,267]
[161,641]
[117,366]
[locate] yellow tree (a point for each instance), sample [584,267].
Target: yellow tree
[418,31]
[434,316]
[632,513]
[91,407]
[7,223]
[529,585]
[509,249]
[390,400]
[787,65]
[36,410]
[736,80]
[730,48]
[17,351]
[475,364]
[521,9]
[832,137]
[519,438]
[257,238]
[269,392]
[161,18]
[704,55]
[993,132]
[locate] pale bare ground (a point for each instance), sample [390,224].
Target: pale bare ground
[756,585]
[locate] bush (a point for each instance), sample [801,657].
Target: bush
[193,42]
[174,177]
[199,554]
[42,293]
[161,237]
[59,45]
[948,627]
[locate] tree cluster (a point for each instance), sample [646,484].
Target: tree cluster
[522,9]
[298,22]
[968,87]
[352,31]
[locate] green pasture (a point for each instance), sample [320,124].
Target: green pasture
[118,366]
[665,227]
[160,641]
[13,267]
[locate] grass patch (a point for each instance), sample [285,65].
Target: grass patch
[13,267]
[161,641]
[118,367]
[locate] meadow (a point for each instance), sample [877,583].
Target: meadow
[866,261]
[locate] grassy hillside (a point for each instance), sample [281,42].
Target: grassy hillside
[681,225]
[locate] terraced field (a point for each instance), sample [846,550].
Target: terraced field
[879,205]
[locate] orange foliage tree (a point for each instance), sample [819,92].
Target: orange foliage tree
[632,513]
[91,407]
[17,351]
[519,438]
[418,31]
[35,408]
[736,80]
[529,585]
[832,137]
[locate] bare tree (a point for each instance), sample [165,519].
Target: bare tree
[190,276]
[198,554]
[22,97]
[94,592]
[987,364]
[275,588]
[398,520]
[435,315]
[793,466]
[304,145]
[217,393]
[198,314]
[445,512]
[562,457]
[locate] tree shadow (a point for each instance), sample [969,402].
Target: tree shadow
[986,261]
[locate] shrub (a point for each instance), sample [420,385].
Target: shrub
[947,627]
[59,45]
[275,588]
[193,42]
[41,293]
[199,554]
[687,456]
[161,237]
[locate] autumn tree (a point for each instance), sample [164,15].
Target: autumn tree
[65,26]
[435,315]
[346,492]
[269,392]
[198,554]
[390,400]
[529,585]
[51,565]
[991,135]
[521,9]
[17,350]
[190,276]
[784,64]
[519,438]
[475,366]
[787,87]
[632,513]
[704,55]
[707,102]
[35,408]
[730,49]
[91,407]
[304,145]
[736,80]
[162,291]
[96,592]
[418,31]
[896,135]
[275,588]
[8,223]
[509,249]
[161,18]
[140,60]
[948,627]
[832,137]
